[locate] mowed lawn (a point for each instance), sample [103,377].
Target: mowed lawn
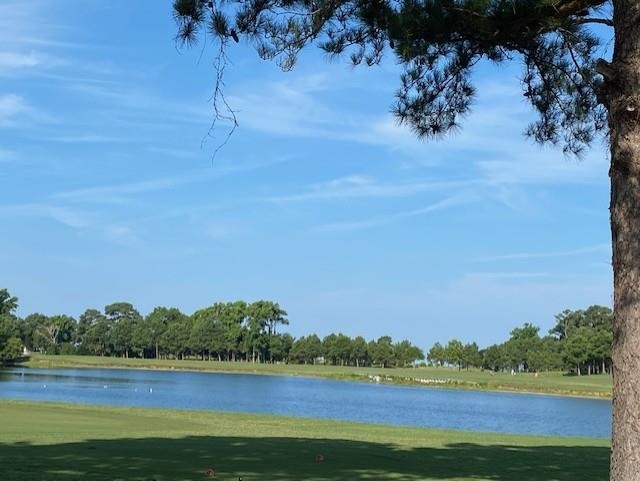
[62,442]
[554,383]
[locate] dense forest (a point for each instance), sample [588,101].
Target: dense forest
[580,341]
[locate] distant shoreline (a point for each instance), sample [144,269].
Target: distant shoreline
[593,387]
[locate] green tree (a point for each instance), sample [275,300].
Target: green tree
[257,321]
[523,341]
[233,318]
[405,353]
[124,319]
[602,342]
[150,331]
[96,338]
[8,303]
[33,333]
[359,351]
[57,330]
[600,317]
[547,355]
[577,348]
[10,343]
[565,322]
[593,317]
[471,356]
[314,348]
[493,358]
[381,351]
[206,331]
[454,353]
[307,349]
[343,348]
[329,351]
[299,351]
[263,319]
[11,347]
[281,345]
[552,353]
[82,329]
[175,339]
[436,355]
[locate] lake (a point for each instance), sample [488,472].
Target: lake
[317,398]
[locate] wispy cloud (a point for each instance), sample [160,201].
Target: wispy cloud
[16,60]
[119,193]
[446,203]
[598,248]
[64,215]
[121,222]
[298,107]
[130,106]
[87,139]
[27,23]
[76,219]
[544,166]
[16,111]
[122,192]
[360,186]
[12,107]
[172,152]
[508,275]
[122,235]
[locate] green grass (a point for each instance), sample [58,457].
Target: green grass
[552,383]
[62,442]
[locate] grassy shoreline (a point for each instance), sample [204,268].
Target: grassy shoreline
[545,383]
[65,442]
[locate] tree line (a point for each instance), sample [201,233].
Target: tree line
[231,331]
[580,342]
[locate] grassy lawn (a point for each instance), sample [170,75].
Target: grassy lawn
[62,442]
[553,383]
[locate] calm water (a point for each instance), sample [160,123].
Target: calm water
[318,398]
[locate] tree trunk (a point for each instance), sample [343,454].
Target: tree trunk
[623,98]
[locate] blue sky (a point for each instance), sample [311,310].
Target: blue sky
[320,201]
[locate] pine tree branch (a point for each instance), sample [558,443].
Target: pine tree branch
[566,8]
[603,21]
